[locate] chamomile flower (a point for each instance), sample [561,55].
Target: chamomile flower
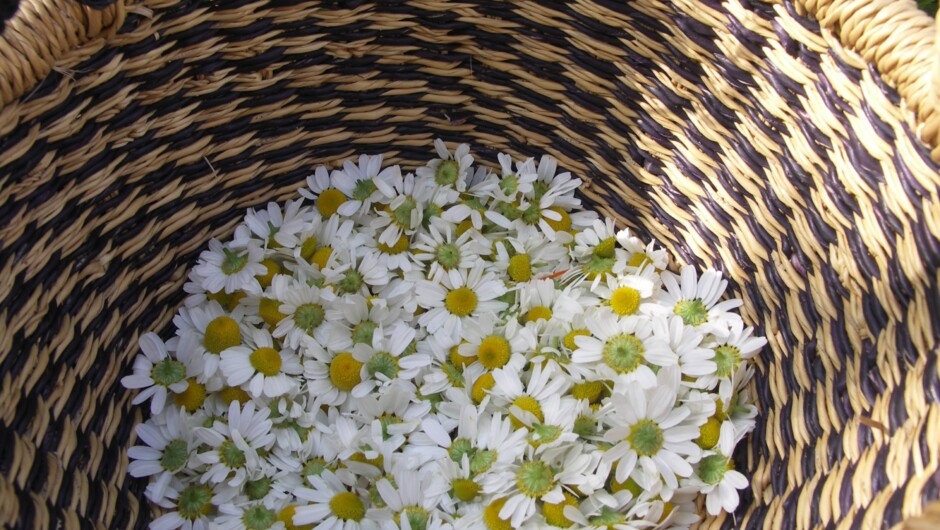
[525,400]
[716,477]
[272,227]
[323,192]
[649,431]
[524,260]
[492,345]
[461,295]
[387,359]
[187,507]
[733,346]
[261,367]
[640,256]
[330,375]
[626,347]
[333,503]
[443,250]
[599,238]
[358,183]
[414,497]
[449,170]
[155,373]
[205,331]
[229,268]
[303,310]
[405,198]
[696,299]
[234,444]
[168,449]
[542,300]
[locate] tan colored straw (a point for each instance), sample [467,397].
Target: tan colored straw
[794,145]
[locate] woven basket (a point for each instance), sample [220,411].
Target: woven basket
[793,145]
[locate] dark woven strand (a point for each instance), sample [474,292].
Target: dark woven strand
[740,135]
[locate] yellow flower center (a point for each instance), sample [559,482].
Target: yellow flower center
[554,512]
[491,516]
[625,301]
[266,361]
[629,485]
[461,301]
[329,202]
[221,334]
[400,246]
[347,506]
[569,338]
[481,386]
[589,390]
[520,268]
[269,311]
[605,249]
[308,248]
[527,404]
[465,489]
[639,259]
[191,398]
[464,225]
[460,361]
[271,268]
[539,312]
[360,457]
[561,225]
[345,371]
[229,301]
[709,433]
[286,516]
[493,352]
[321,256]
[234,393]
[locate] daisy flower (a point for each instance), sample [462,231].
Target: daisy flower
[461,295]
[523,260]
[649,430]
[230,268]
[492,345]
[322,191]
[302,311]
[405,198]
[525,400]
[449,169]
[696,299]
[627,347]
[541,300]
[234,444]
[186,507]
[330,375]
[266,370]
[733,346]
[716,476]
[444,250]
[334,504]
[357,274]
[155,372]
[414,497]
[168,447]
[387,360]
[640,256]
[359,183]
[272,227]
[356,321]
[206,331]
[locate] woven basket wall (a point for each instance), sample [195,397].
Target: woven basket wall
[786,143]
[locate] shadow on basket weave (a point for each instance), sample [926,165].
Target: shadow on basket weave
[788,144]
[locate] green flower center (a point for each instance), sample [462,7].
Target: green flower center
[535,478]
[460,447]
[257,489]
[646,438]
[608,518]
[362,332]
[509,184]
[448,255]
[232,262]
[402,214]
[539,189]
[385,421]
[430,211]
[347,506]
[693,312]
[454,375]
[313,467]
[168,372]
[231,455]
[712,468]
[447,172]
[544,434]
[727,359]
[194,502]
[532,214]
[508,211]
[416,515]
[308,317]
[623,353]
[481,461]
[585,426]
[259,518]
[175,454]
[351,282]
[364,189]
[599,266]
[383,363]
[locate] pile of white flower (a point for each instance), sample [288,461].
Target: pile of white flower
[454,348]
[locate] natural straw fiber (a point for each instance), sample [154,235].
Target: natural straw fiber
[780,142]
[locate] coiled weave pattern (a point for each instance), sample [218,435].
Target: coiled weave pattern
[743,135]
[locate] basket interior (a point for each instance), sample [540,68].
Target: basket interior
[741,135]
